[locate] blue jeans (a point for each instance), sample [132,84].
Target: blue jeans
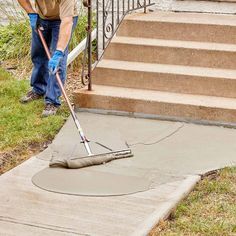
[42,82]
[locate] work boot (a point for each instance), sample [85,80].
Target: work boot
[49,110]
[30,96]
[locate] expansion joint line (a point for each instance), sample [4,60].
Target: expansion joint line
[53,228]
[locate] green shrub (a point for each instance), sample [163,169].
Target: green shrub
[15,41]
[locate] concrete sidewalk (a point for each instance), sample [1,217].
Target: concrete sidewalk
[171,155]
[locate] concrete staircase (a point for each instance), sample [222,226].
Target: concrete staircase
[178,66]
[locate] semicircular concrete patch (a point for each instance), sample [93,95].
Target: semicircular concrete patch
[88,183]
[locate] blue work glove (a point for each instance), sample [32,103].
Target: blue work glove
[33,20]
[53,64]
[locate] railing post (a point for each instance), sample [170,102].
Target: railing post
[89,45]
[97,26]
[145,6]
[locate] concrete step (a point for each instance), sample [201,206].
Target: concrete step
[171,78]
[165,104]
[204,6]
[188,53]
[215,0]
[181,26]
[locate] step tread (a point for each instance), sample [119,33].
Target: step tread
[159,96]
[188,18]
[174,43]
[209,7]
[169,69]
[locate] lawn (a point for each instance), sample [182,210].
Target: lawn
[22,129]
[209,210]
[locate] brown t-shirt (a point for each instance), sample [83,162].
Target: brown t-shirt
[56,9]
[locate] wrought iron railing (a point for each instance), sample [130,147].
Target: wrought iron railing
[109,15]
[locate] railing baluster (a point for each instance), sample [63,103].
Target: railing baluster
[118,12]
[103,23]
[112,15]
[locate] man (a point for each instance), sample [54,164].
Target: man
[57,18]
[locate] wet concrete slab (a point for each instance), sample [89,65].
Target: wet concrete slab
[115,132]
[163,152]
[171,147]
[89,183]
[168,155]
[28,210]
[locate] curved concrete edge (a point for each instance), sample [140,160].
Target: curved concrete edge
[167,207]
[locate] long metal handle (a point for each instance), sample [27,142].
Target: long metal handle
[73,114]
[89,29]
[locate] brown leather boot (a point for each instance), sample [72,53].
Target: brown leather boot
[49,110]
[30,96]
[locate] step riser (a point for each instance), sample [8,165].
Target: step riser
[155,108]
[171,55]
[178,31]
[165,82]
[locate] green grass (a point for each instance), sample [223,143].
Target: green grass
[21,124]
[209,210]
[15,41]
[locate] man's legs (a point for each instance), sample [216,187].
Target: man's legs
[39,77]
[53,91]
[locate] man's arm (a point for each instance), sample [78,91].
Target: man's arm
[26,5]
[65,33]
[64,38]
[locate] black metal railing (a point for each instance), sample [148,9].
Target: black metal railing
[109,15]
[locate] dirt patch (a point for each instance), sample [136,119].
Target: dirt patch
[73,83]
[12,158]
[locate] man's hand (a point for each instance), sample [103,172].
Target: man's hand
[53,64]
[33,20]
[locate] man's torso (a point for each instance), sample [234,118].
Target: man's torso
[56,9]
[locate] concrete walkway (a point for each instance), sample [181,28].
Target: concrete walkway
[171,155]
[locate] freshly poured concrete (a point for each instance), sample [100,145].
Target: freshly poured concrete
[171,156]
[89,183]
[163,151]
[26,210]
[106,180]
